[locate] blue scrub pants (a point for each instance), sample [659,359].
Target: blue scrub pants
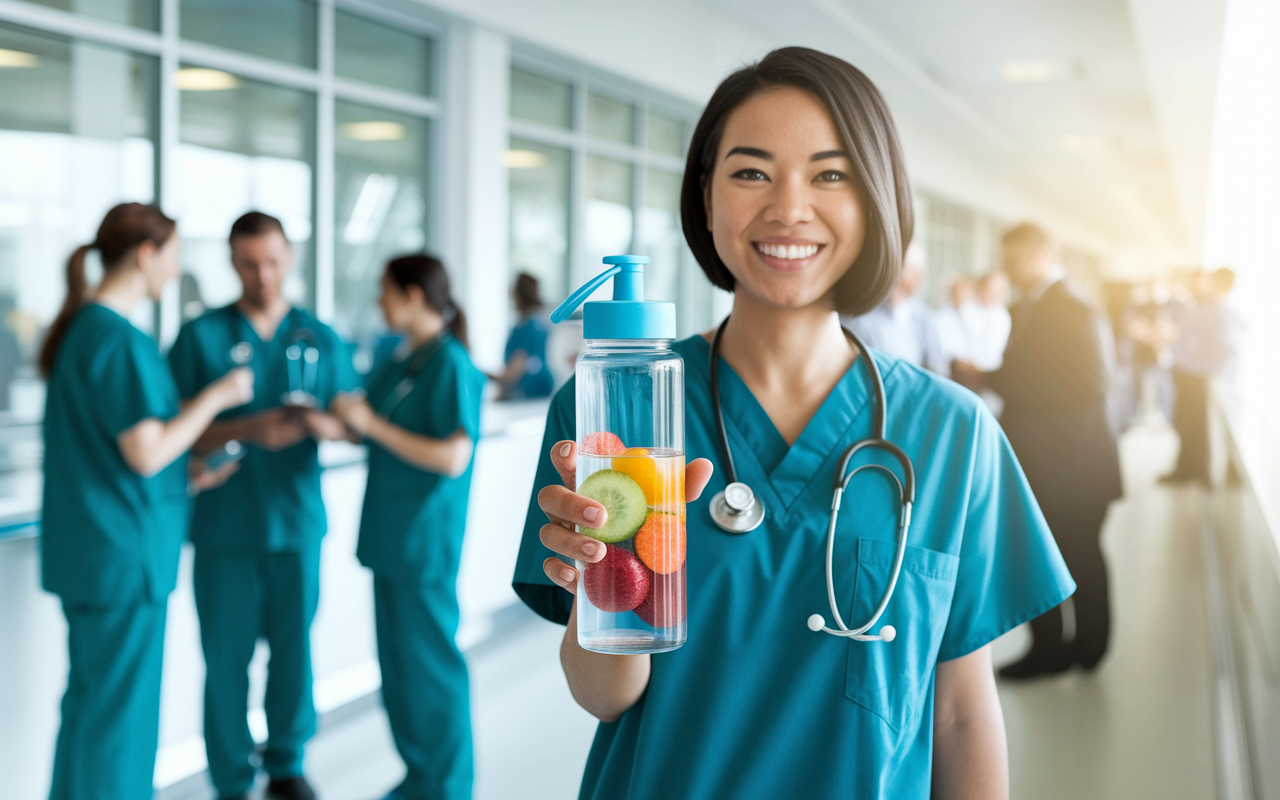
[241,597]
[424,685]
[111,710]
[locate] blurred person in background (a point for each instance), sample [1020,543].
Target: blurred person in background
[957,321]
[527,374]
[421,420]
[1055,382]
[256,572]
[992,332]
[1206,341]
[903,325]
[116,501]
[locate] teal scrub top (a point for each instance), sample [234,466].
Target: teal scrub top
[109,535]
[413,520]
[757,705]
[273,502]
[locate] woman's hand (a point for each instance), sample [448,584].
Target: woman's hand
[234,389]
[354,410]
[200,478]
[566,508]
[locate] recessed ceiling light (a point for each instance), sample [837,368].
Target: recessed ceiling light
[1029,71]
[375,131]
[197,79]
[17,58]
[523,159]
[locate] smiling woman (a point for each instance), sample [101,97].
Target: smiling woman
[795,198]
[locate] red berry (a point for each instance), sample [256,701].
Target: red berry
[667,602]
[602,444]
[616,583]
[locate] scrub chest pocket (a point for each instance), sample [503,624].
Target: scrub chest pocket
[890,679]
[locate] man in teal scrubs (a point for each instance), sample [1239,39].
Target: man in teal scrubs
[257,539]
[758,705]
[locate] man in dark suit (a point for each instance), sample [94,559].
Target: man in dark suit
[1055,382]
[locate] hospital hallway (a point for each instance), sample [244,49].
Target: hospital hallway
[1139,728]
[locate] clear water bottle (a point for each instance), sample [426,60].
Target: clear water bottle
[630,408]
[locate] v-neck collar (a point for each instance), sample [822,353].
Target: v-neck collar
[760,453]
[247,329]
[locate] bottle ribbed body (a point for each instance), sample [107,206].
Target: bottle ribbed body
[631,458]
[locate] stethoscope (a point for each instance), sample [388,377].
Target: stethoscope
[302,358]
[410,377]
[738,510]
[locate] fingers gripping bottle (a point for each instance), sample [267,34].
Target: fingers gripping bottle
[630,404]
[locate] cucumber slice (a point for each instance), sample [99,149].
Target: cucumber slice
[623,501]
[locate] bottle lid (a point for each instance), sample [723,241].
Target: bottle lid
[628,315]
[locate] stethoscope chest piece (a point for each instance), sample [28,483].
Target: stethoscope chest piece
[737,509]
[241,353]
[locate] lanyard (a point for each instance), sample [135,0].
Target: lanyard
[410,377]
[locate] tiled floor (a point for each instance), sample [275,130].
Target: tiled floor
[1138,728]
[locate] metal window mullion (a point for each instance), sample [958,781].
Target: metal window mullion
[78,26]
[169,137]
[392,19]
[247,66]
[639,187]
[367,94]
[578,188]
[323,289]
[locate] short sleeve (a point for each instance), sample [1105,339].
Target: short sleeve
[512,343]
[1010,568]
[458,396]
[143,385]
[184,363]
[530,583]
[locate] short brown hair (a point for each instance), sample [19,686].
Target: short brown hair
[865,126]
[255,223]
[1028,235]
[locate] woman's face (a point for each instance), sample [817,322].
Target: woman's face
[396,304]
[782,206]
[160,265]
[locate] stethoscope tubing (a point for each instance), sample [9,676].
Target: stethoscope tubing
[906,487]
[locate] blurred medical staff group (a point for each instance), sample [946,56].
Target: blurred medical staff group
[219,445]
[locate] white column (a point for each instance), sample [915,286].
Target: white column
[472,189]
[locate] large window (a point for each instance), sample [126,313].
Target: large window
[340,149]
[76,137]
[245,145]
[381,203]
[595,171]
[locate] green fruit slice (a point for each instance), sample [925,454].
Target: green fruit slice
[623,501]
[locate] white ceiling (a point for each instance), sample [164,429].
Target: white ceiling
[1116,138]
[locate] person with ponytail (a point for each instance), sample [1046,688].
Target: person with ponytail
[421,419]
[116,501]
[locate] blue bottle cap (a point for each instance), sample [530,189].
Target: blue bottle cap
[628,315]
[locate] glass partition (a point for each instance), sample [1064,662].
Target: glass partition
[246,146]
[539,198]
[281,30]
[76,137]
[380,161]
[369,51]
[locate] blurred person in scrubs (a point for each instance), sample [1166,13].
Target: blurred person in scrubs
[798,155]
[257,539]
[421,420]
[527,375]
[904,326]
[116,501]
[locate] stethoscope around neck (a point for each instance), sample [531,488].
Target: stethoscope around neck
[739,510]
